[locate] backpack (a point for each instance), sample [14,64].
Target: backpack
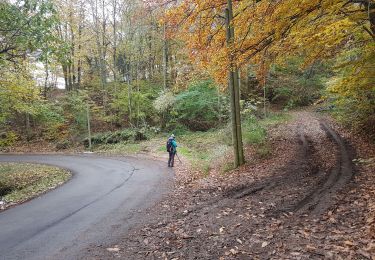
[169,145]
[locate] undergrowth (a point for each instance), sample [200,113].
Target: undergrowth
[22,181]
[205,150]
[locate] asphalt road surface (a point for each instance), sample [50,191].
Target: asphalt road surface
[102,200]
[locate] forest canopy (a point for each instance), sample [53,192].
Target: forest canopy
[270,32]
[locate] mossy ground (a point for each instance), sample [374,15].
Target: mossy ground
[22,181]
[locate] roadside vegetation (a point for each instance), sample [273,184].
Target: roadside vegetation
[20,182]
[202,150]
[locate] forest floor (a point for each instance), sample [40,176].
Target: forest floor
[312,198]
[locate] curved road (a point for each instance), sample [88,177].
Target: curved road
[102,200]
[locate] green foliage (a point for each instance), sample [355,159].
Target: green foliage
[121,148]
[26,26]
[141,110]
[119,136]
[164,102]
[357,113]
[18,94]
[74,105]
[50,118]
[8,138]
[177,128]
[204,148]
[253,132]
[274,119]
[353,89]
[293,86]
[20,97]
[200,107]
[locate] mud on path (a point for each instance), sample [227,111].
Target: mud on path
[301,203]
[310,185]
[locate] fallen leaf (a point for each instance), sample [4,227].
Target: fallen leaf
[113,249]
[310,247]
[234,251]
[222,229]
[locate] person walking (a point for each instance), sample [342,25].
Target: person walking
[171,149]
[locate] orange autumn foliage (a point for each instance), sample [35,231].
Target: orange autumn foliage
[316,29]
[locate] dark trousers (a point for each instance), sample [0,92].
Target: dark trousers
[171,159]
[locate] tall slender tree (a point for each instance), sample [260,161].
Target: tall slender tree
[233,85]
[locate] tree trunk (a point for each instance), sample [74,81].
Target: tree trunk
[73,73]
[114,42]
[27,126]
[46,78]
[65,72]
[129,94]
[79,63]
[70,77]
[233,86]
[165,59]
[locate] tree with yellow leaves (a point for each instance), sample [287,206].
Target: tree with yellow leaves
[271,31]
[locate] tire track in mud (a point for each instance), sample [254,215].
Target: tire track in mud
[315,199]
[318,199]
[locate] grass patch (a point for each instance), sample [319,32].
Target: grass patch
[22,181]
[203,148]
[126,148]
[254,132]
[156,145]
[275,119]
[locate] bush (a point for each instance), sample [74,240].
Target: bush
[253,132]
[200,107]
[141,110]
[357,114]
[75,108]
[118,136]
[292,86]
[7,138]
[62,145]
[176,128]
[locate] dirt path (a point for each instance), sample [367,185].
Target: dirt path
[304,202]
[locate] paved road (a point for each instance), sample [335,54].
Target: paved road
[103,199]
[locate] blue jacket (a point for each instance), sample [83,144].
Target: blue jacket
[174,145]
